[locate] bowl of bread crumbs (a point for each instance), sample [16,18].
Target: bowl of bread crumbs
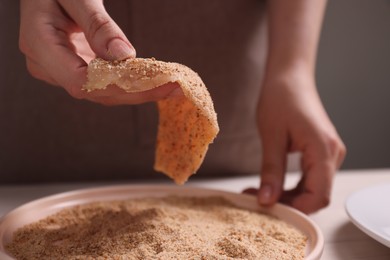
[156,222]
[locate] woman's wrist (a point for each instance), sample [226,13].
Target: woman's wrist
[291,73]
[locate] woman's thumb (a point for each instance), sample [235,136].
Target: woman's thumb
[103,35]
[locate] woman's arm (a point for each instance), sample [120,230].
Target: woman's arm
[293,33]
[291,117]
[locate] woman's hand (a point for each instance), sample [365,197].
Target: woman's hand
[59,38]
[291,118]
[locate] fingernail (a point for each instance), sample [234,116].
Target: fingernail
[177,92]
[119,50]
[265,194]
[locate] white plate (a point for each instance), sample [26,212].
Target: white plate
[369,210]
[41,208]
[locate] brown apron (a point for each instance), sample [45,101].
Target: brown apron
[45,135]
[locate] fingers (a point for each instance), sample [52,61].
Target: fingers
[68,69]
[38,72]
[322,154]
[55,52]
[314,190]
[44,39]
[273,166]
[53,61]
[81,46]
[320,161]
[104,36]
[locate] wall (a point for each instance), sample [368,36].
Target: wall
[353,76]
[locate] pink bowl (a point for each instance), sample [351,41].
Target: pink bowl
[41,208]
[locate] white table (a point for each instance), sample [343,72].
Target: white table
[342,239]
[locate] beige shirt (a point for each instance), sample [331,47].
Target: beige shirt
[45,135]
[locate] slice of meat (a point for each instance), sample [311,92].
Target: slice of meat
[186,125]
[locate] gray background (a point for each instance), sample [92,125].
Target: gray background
[353,77]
